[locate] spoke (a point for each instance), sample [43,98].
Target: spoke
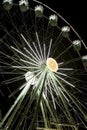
[49,49]
[29,46]
[65,81]
[64,51]
[23,55]
[39,46]
[30,63]
[31,55]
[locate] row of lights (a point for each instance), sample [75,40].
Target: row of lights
[53,19]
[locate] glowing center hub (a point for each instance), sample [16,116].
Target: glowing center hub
[52,64]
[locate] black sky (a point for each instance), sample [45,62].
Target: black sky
[74,11]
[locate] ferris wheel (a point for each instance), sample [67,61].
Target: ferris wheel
[42,69]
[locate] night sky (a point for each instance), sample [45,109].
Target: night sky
[75,12]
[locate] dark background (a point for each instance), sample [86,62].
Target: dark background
[74,11]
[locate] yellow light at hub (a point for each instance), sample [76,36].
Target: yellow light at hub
[52,64]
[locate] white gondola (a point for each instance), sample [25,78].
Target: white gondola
[77,45]
[7,4]
[65,31]
[53,20]
[24,5]
[39,11]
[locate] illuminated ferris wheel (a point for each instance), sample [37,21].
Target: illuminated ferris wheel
[42,69]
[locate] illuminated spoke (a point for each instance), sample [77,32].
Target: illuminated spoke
[49,48]
[66,81]
[23,54]
[39,45]
[29,46]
